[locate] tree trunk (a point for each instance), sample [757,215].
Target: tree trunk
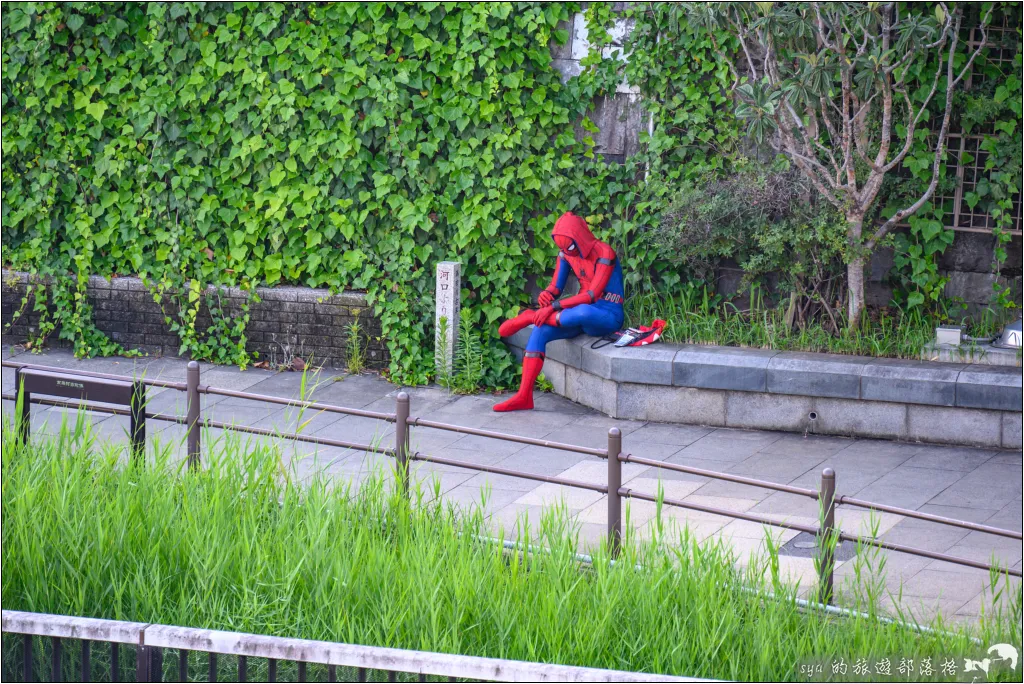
[855,271]
[855,289]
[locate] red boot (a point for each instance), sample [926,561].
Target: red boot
[523,399]
[514,325]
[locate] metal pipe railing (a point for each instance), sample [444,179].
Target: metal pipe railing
[168,384]
[789,489]
[826,533]
[297,403]
[914,551]
[713,510]
[324,441]
[942,520]
[590,451]
[81,405]
[495,470]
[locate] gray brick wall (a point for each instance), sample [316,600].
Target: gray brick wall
[287,322]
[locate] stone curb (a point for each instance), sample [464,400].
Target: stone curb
[949,403]
[796,373]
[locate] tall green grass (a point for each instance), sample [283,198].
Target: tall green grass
[697,317]
[242,546]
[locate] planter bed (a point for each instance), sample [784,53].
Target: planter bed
[928,401]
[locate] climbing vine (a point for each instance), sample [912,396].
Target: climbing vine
[344,145]
[339,145]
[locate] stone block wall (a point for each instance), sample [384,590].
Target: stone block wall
[286,321]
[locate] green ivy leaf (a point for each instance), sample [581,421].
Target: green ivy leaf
[96,109]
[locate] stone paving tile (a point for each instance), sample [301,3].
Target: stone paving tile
[679,458]
[653,452]
[547,402]
[543,460]
[249,412]
[949,458]
[986,602]
[791,505]
[976,515]
[551,494]
[957,587]
[593,436]
[909,487]
[359,430]
[475,456]
[490,446]
[1013,458]
[596,472]
[515,520]
[864,522]
[642,511]
[808,446]
[781,468]
[486,500]
[849,478]
[660,433]
[353,391]
[877,454]
[924,535]
[473,411]
[730,445]
[628,427]
[990,483]
[1009,517]
[289,384]
[979,546]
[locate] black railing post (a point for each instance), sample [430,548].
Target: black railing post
[86,661]
[614,483]
[192,417]
[402,439]
[57,660]
[28,659]
[826,535]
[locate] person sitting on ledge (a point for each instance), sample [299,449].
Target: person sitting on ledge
[596,310]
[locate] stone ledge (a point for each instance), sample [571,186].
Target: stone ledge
[949,403]
[836,376]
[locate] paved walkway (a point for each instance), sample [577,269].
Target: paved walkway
[978,485]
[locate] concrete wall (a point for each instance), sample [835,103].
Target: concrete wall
[287,322]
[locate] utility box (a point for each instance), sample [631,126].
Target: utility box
[947,334]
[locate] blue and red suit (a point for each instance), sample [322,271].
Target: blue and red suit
[596,310]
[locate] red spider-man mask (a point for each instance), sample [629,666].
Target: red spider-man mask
[566,244]
[573,236]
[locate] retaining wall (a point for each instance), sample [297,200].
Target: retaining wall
[285,323]
[946,403]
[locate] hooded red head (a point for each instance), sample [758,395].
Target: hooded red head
[571,233]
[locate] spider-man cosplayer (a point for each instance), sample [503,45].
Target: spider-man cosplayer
[596,310]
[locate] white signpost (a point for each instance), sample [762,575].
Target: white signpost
[449,285]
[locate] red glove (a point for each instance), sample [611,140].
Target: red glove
[545,298]
[541,317]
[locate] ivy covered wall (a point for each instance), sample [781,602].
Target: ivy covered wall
[343,145]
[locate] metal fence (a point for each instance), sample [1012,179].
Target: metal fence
[58,648]
[78,387]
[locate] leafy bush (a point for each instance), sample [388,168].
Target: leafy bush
[762,217]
